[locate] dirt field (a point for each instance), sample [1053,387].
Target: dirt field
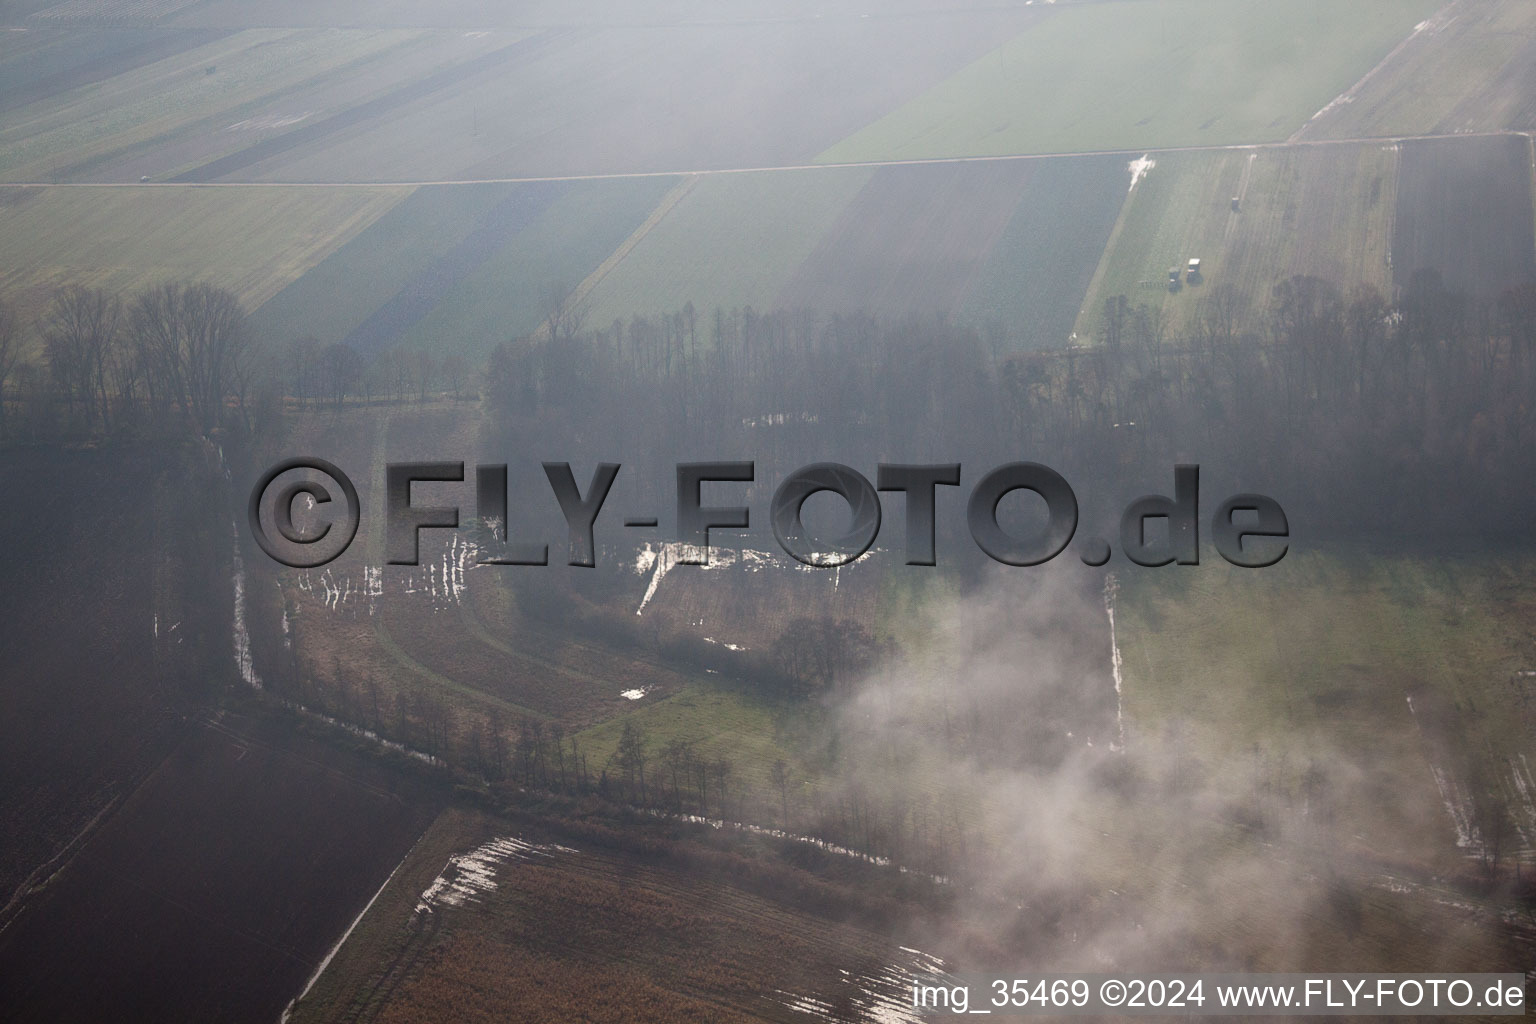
[1464,209]
[219,885]
[534,925]
[94,699]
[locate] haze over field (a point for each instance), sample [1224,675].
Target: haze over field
[1292,242]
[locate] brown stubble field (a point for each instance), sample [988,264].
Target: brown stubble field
[595,926]
[95,698]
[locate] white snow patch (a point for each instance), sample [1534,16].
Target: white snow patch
[1458,803]
[885,996]
[242,635]
[1111,588]
[722,643]
[1139,169]
[466,877]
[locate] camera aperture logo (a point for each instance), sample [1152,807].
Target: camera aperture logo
[1247,530]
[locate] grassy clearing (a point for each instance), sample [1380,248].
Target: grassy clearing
[733,241]
[721,722]
[1118,76]
[1314,661]
[252,241]
[1325,212]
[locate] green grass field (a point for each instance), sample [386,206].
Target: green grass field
[733,240]
[1326,212]
[1314,660]
[253,241]
[1117,76]
[720,721]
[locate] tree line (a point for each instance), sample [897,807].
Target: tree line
[1357,411]
[178,355]
[181,356]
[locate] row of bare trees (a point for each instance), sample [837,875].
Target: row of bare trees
[176,355]
[1343,403]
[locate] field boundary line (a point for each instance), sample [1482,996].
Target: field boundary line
[32,885]
[1081,324]
[326,961]
[777,168]
[1531,140]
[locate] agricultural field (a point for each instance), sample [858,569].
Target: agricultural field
[123,239]
[1469,68]
[1464,208]
[664,98]
[487,914]
[96,699]
[478,14]
[1011,241]
[233,868]
[1323,211]
[732,240]
[1121,76]
[911,242]
[40,62]
[238,91]
[461,268]
[1405,676]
